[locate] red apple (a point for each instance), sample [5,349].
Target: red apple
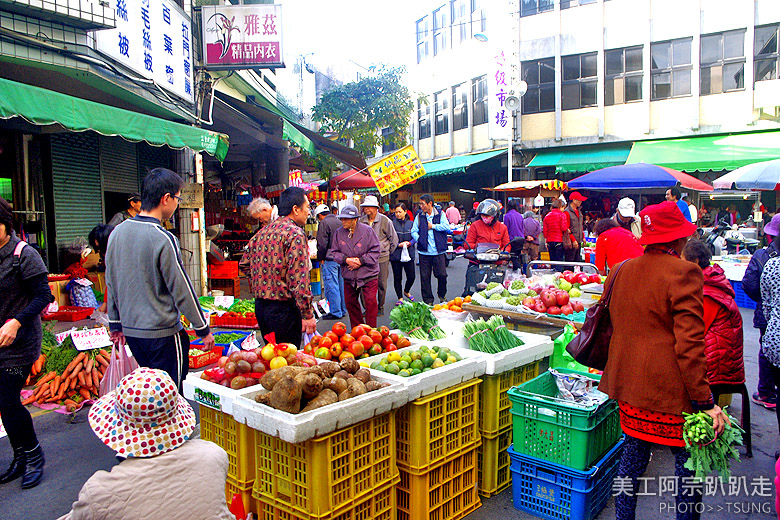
[548,298]
[567,309]
[582,278]
[570,277]
[529,302]
[539,307]
[561,298]
[577,306]
[594,278]
[553,310]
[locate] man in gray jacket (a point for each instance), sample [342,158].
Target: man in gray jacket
[148,288]
[388,240]
[332,282]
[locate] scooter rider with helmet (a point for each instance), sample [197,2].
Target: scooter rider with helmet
[486,229]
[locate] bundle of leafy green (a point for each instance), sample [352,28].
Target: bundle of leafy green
[416,320]
[710,452]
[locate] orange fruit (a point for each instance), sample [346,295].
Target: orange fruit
[437,307]
[455,308]
[467,299]
[458,301]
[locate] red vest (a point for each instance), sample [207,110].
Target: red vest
[723,339]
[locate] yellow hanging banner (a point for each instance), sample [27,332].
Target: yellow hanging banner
[396,170]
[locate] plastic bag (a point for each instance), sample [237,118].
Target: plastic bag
[405,256]
[562,359]
[122,363]
[81,294]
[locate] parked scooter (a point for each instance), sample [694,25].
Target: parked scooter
[487,263]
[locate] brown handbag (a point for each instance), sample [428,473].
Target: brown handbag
[591,346]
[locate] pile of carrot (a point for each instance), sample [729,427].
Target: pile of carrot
[79,381]
[36,368]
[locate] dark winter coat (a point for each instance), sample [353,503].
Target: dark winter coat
[751,282]
[723,337]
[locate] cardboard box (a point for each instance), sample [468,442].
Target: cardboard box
[60,293]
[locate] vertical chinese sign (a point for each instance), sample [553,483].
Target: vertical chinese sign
[498,89]
[153,38]
[246,36]
[396,170]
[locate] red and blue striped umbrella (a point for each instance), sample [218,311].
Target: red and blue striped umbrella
[763,175]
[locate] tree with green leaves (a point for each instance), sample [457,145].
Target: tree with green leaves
[356,112]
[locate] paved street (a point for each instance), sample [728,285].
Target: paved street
[73,453]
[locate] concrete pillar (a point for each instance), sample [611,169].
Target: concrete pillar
[194,262]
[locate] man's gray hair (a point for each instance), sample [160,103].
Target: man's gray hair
[257,205]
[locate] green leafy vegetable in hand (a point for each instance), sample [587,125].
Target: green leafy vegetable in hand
[710,453]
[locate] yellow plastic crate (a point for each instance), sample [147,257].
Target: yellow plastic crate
[436,426]
[493,464]
[495,408]
[544,255]
[447,491]
[322,475]
[243,490]
[378,505]
[236,439]
[315,275]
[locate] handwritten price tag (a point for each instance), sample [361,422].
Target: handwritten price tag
[250,343]
[223,301]
[91,338]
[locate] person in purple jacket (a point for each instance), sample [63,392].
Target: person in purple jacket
[513,221]
[356,248]
[531,229]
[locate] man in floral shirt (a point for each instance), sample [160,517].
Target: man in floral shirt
[279,271]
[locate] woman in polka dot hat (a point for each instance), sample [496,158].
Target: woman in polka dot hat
[163,473]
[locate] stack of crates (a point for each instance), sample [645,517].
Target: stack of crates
[495,427]
[350,473]
[564,456]
[224,277]
[315,278]
[238,441]
[438,442]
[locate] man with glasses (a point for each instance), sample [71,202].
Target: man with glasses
[147,286]
[279,271]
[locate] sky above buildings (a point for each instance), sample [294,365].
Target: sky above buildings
[367,32]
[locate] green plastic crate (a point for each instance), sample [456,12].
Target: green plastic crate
[551,429]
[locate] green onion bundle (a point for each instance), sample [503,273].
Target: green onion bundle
[504,338]
[480,337]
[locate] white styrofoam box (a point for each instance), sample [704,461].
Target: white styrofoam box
[212,394]
[304,426]
[536,347]
[472,365]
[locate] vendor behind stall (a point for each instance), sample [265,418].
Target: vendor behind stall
[133,208]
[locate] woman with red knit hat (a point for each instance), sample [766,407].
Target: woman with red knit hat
[657,368]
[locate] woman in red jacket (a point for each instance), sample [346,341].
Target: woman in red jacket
[614,245]
[555,224]
[722,320]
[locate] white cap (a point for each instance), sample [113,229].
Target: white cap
[322,208]
[626,207]
[370,201]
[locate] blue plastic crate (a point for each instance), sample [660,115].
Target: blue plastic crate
[549,490]
[225,346]
[316,288]
[742,299]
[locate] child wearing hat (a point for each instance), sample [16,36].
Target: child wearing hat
[164,474]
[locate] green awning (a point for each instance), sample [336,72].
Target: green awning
[712,152]
[458,164]
[45,107]
[582,159]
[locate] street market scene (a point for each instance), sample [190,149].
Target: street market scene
[450,259]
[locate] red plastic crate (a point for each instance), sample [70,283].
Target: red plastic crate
[69,314]
[226,270]
[233,322]
[205,359]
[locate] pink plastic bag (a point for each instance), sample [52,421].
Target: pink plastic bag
[122,363]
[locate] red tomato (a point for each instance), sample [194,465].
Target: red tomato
[385,342]
[339,329]
[332,335]
[375,336]
[384,331]
[366,341]
[394,337]
[347,340]
[357,331]
[374,350]
[346,354]
[336,349]
[366,328]
[356,348]
[390,348]
[325,342]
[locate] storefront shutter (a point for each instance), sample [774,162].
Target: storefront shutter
[78,198]
[118,165]
[151,157]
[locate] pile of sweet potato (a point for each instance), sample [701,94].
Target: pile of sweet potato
[301,389]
